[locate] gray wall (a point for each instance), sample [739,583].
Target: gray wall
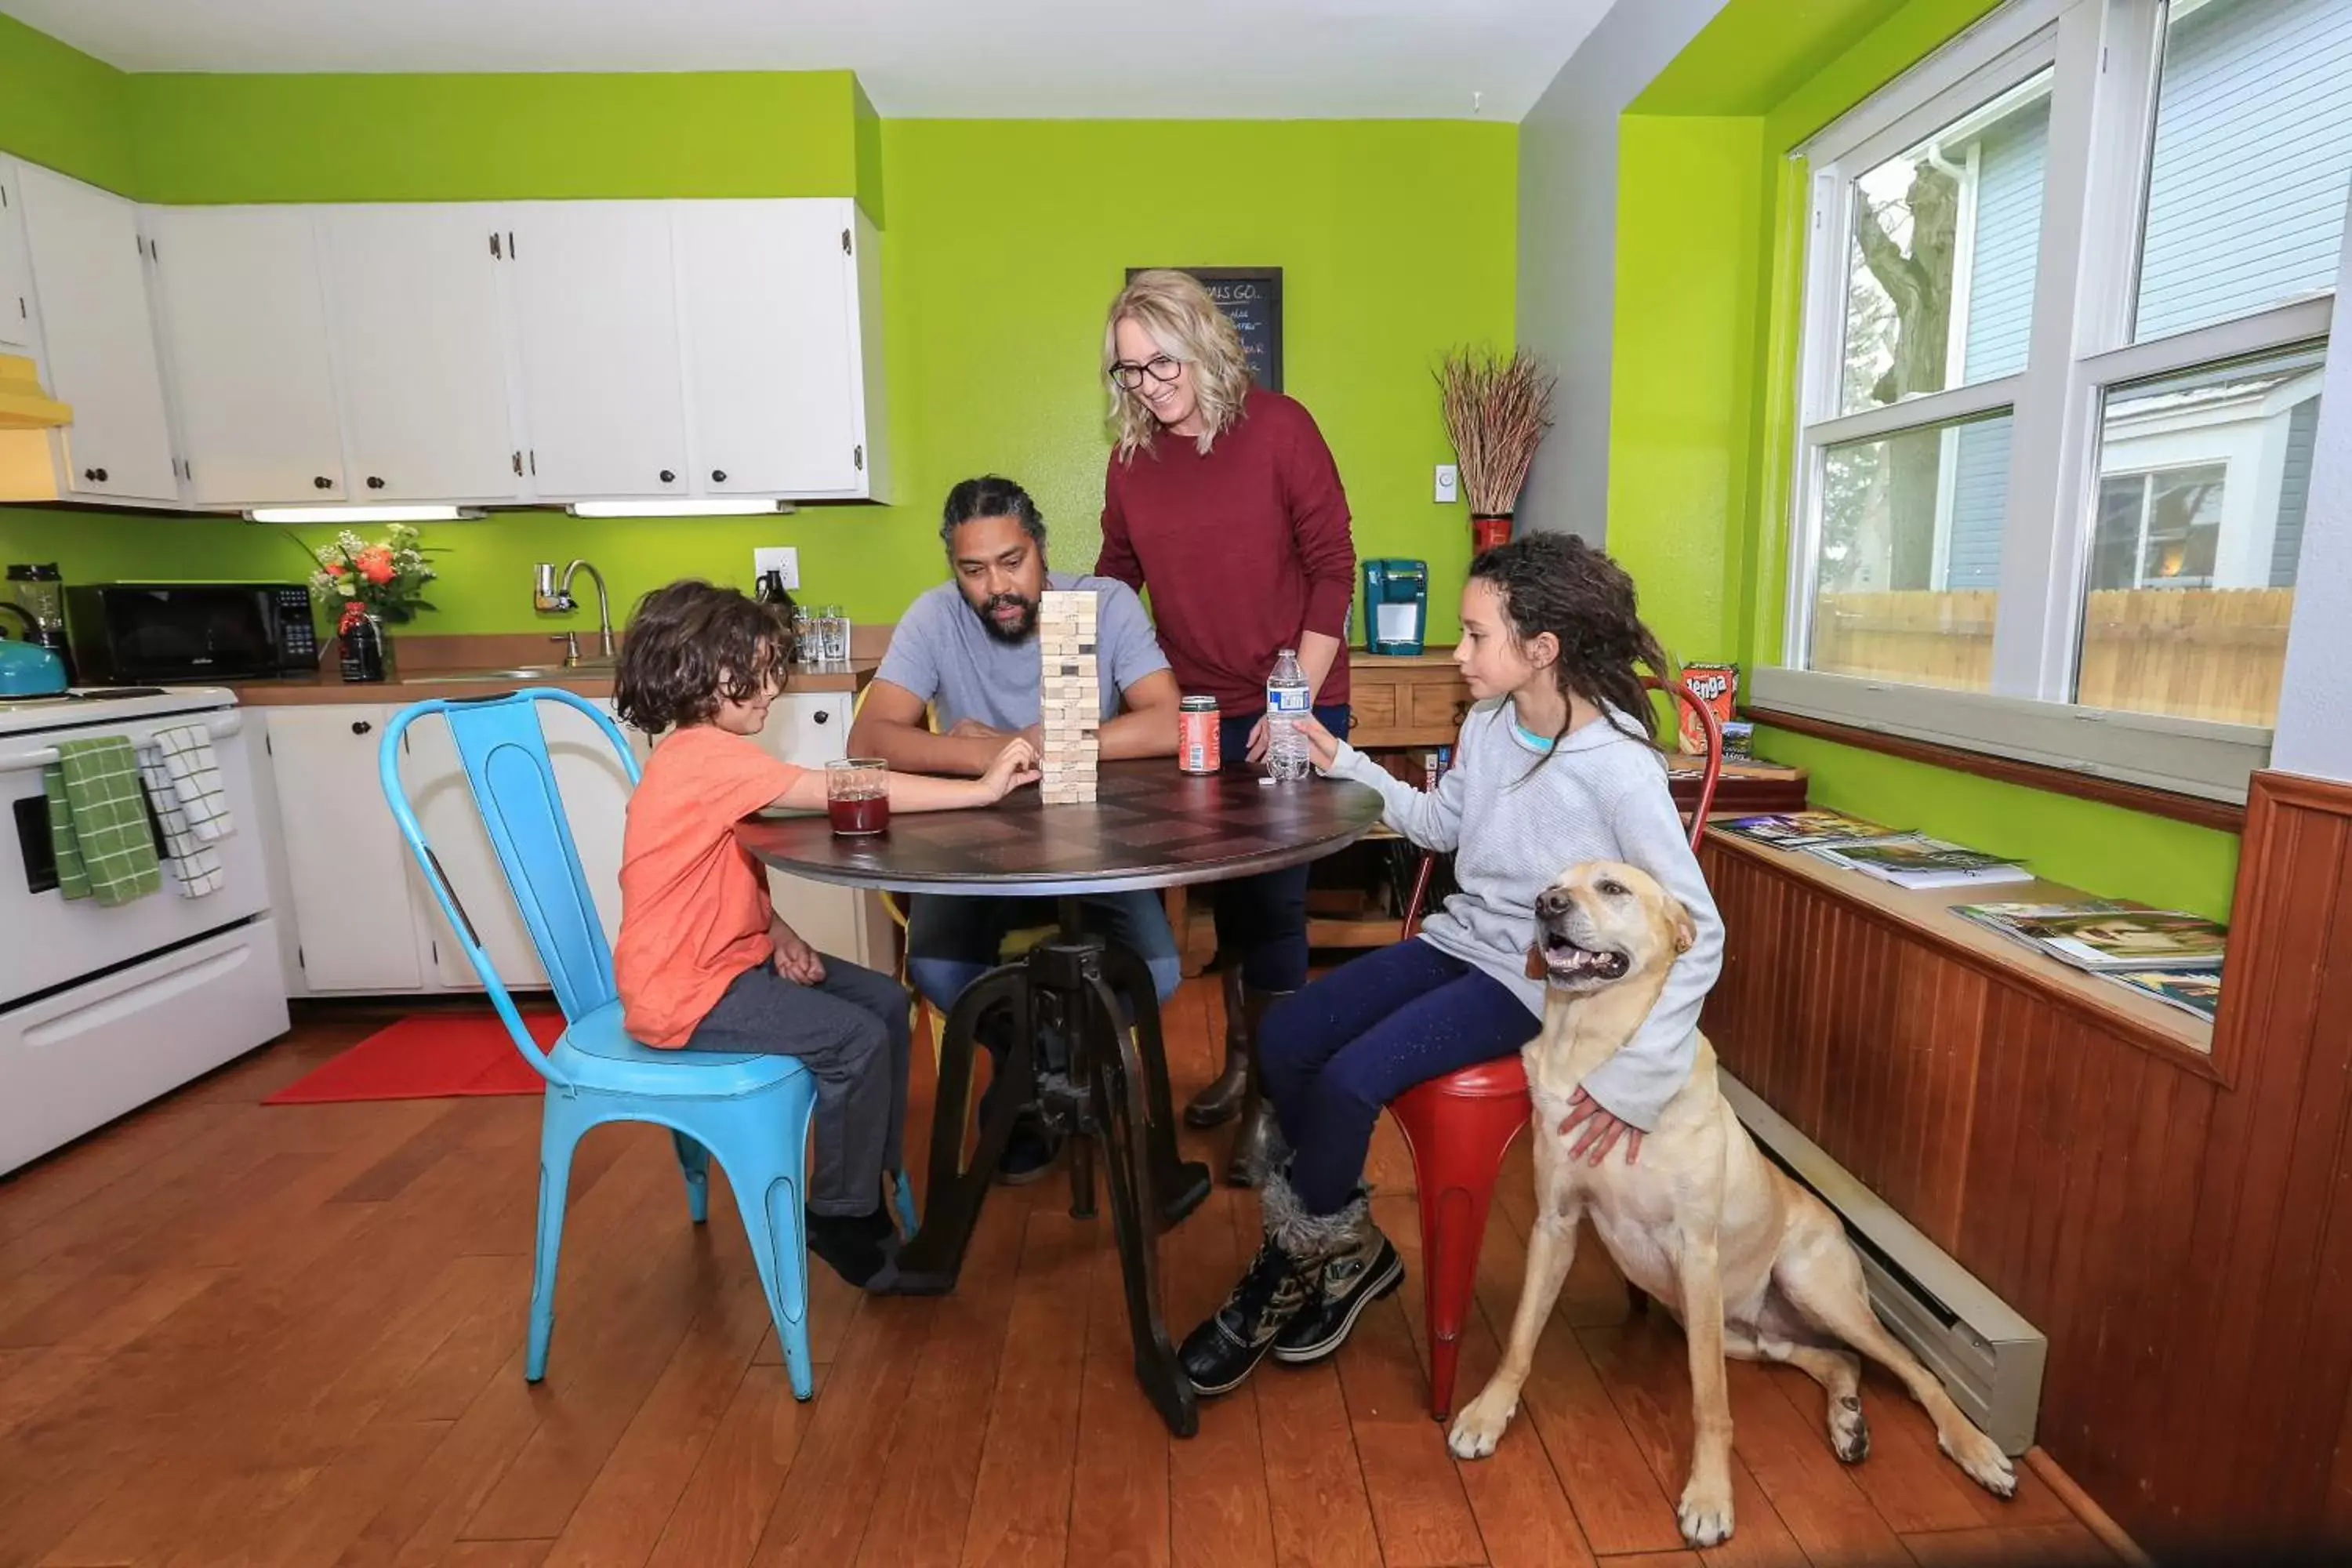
[1568,245]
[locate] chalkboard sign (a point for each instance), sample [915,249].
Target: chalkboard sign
[1251,297]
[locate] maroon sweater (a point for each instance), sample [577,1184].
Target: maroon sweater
[1242,549]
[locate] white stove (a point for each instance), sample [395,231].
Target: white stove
[102,705]
[102,1009]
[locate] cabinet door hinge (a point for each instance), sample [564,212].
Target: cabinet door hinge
[436,946]
[857,457]
[534,462]
[266,745]
[514,251]
[4,196]
[517,462]
[844,242]
[496,254]
[22,313]
[301,962]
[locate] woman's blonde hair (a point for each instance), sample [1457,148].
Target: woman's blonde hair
[1185,324]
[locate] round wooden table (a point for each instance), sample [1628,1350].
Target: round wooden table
[1151,827]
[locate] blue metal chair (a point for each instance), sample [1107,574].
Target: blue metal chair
[751,1111]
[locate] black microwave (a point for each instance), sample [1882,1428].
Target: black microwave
[189,633]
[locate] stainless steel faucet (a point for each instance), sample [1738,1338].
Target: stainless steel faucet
[552,597]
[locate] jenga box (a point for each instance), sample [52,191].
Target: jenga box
[1718,686]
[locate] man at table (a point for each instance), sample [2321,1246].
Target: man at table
[967,650]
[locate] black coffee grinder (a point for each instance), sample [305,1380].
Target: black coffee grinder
[40,592]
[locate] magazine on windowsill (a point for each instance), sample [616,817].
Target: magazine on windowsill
[1804,829]
[1916,861]
[2197,991]
[2100,936]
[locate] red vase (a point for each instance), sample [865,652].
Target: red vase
[1487,530]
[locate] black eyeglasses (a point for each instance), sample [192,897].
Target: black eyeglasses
[1130,375]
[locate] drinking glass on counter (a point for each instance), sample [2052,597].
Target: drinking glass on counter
[833,632]
[857,795]
[805,646]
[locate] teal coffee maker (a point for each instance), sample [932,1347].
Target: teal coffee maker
[1396,606]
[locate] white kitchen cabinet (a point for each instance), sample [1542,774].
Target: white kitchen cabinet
[592,293]
[420,351]
[17,334]
[811,729]
[596,792]
[97,333]
[345,864]
[768,294]
[245,338]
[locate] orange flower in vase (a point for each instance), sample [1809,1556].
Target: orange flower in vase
[375,564]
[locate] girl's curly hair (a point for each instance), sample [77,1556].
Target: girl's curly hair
[1556,582]
[690,646]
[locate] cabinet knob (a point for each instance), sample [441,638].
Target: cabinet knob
[667,477]
[375,481]
[717,476]
[322,482]
[821,716]
[361,726]
[95,476]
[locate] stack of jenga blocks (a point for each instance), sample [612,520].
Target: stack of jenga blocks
[1071,694]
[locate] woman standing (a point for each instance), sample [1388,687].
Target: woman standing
[1223,501]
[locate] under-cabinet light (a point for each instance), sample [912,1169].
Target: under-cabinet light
[362,514]
[717,506]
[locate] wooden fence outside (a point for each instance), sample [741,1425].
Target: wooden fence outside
[2197,653]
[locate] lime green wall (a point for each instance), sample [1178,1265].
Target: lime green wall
[62,109]
[1003,242]
[489,137]
[1710,252]
[1687,241]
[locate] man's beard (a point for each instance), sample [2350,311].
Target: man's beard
[1018,632]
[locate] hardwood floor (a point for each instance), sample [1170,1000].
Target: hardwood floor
[234,1334]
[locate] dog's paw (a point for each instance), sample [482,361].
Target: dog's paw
[1849,1432]
[1982,1459]
[1705,1514]
[1478,1428]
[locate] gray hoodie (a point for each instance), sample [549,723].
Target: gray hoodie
[1514,822]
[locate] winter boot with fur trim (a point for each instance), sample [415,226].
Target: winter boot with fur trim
[1281,1280]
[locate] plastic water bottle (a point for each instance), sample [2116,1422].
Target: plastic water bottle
[1286,702]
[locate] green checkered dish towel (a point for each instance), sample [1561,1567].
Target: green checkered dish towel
[99,830]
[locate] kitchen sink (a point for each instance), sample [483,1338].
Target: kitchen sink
[521,673]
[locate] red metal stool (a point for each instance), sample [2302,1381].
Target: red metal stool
[1459,1126]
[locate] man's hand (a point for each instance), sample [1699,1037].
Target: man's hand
[1602,1131]
[796,961]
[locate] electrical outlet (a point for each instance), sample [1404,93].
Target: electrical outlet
[1449,484]
[782,558]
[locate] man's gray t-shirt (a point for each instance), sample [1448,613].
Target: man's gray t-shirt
[942,654]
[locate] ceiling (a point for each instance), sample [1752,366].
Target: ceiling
[983,58]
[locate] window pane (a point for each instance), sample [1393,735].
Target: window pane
[1939,275]
[2253,155]
[1909,567]
[2203,480]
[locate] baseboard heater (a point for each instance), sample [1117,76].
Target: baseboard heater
[1987,1357]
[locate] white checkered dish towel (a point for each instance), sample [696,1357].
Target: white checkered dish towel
[187,752]
[196,865]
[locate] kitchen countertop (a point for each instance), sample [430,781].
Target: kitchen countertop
[328,686]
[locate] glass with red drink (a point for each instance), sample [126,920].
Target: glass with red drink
[857,795]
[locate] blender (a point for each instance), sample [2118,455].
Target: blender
[40,593]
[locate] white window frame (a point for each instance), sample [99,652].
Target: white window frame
[2104,57]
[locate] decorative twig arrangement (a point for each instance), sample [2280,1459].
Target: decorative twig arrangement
[1497,408]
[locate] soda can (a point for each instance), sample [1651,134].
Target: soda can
[1197,751]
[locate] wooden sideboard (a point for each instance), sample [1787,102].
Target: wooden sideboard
[2161,1200]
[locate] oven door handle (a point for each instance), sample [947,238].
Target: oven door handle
[220,728]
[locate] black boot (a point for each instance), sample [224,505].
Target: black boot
[1361,1267]
[1222,1100]
[1029,1155]
[1222,1352]
[1259,1133]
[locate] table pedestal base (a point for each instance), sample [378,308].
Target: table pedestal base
[1108,1091]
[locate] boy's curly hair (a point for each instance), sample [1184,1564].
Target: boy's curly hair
[690,646]
[1556,582]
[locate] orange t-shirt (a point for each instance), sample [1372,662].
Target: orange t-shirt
[694,904]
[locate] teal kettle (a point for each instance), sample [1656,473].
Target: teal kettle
[27,669]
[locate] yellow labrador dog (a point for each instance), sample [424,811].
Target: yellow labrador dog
[1752,1264]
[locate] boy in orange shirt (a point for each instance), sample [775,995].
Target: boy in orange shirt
[703,962]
